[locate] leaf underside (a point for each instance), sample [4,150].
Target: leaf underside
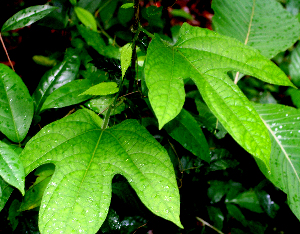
[206,57]
[283,123]
[86,159]
[262,24]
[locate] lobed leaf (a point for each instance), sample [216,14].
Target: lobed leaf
[283,123]
[61,74]
[16,108]
[86,159]
[11,170]
[27,17]
[206,57]
[262,24]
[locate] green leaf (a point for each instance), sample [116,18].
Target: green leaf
[11,170]
[61,74]
[216,215]
[86,159]
[236,213]
[27,17]
[283,123]
[86,18]
[127,5]
[181,13]
[206,57]
[90,5]
[94,40]
[126,54]
[294,66]
[16,109]
[101,104]
[13,213]
[247,200]
[6,190]
[105,88]
[185,129]
[34,194]
[262,24]
[68,94]
[44,61]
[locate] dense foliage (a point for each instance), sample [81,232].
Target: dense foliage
[136,121]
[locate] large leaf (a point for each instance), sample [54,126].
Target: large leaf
[27,17]
[62,73]
[262,24]
[206,56]
[68,94]
[283,123]
[11,168]
[86,159]
[16,106]
[185,129]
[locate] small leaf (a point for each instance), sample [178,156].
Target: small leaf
[126,54]
[86,18]
[236,213]
[187,132]
[16,109]
[247,200]
[216,215]
[104,88]
[86,159]
[34,194]
[283,123]
[181,13]
[62,73]
[27,17]
[127,5]
[67,95]
[13,213]
[11,170]
[259,24]
[44,61]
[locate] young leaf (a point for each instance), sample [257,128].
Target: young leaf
[86,18]
[16,109]
[185,129]
[68,94]
[58,76]
[12,170]
[206,56]
[27,17]
[104,88]
[260,24]
[86,159]
[283,123]
[126,54]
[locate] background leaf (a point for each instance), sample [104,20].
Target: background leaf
[86,18]
[27,17]
[16,108]
[86,159]
[294,66]
[62,73]
[6,190]
[11,170]
[262,24]
[187,132]
[283,123]
[68,94]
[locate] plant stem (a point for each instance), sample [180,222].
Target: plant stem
[209,225]
[236,79]
[146,32]
[12,66]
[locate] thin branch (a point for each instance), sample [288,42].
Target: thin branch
[12,66]
[209,225]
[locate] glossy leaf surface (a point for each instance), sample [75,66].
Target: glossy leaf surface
[68,94]
[86,18]
[105,88]
[86,158]
[206,56]
[126,54]
[185,129]
[55,78]
[262,24]
[11,168]
[283,123]
[16,106]
[27,17]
